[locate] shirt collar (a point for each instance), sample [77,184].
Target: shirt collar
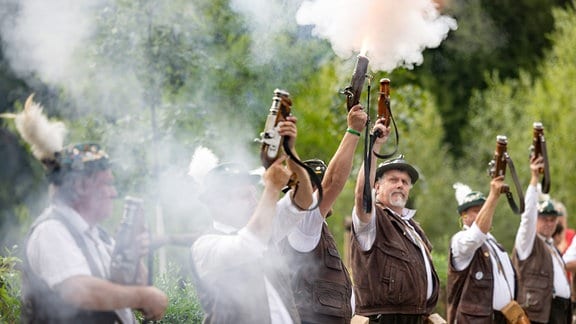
[407,213]
[550,241]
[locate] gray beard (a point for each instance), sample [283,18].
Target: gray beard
[397,202]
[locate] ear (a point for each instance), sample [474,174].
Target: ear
[376,184]
[81,185]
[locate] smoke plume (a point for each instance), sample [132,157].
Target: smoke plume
[391,33]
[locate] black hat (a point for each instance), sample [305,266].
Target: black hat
[546,208]
[318,166]
[474,198]
[397,163]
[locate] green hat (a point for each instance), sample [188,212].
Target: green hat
[474,198]
[397,163]
[546,208]
[318,166]
[76,158]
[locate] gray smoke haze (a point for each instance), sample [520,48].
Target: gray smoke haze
[103,63]
[98,55]
[41,38]
[266,19]
[391,33]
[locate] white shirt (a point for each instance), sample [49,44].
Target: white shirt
[54,255]
[212,253]
[525,242]
[366,235]
[305,237]
[464,245]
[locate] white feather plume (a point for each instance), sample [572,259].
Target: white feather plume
[461,190]
[203,160]
[542,196]
[45,137]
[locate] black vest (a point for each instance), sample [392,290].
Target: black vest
[42,305]
[321,283]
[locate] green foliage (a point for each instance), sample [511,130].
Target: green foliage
[183,304]
[9,288]
[510,107]
[491,36]
[421,133]
[440,260]
[552,102]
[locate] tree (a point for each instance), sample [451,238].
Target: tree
[510,107]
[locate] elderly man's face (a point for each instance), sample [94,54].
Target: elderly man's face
[470,214]
[546,225]
[235,204]
[393,188]
[98,195]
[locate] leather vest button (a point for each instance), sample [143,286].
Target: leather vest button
[479,275]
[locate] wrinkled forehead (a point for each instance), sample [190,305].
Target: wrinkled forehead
[473,209]
[396,173]
[547,218]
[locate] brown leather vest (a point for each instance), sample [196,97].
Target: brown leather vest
[535,281]
[320,281]
[238,294]
[470,290]
[390,278]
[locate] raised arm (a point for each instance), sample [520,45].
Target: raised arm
[527,228]
[486,213]
[359,197]
[275,178]
[303,196]
[340,165]
[92,293]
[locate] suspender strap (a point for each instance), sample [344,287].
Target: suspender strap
[519,192]
[81,244]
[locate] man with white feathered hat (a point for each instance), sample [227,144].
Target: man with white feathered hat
[481,281]
[67,255]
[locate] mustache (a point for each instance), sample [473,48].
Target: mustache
[398,192]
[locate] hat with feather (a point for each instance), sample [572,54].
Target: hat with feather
[467,198]
[547,208]
[46,140]
[208,171]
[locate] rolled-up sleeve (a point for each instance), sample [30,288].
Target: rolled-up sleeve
[306,235]
[365,232]
[464,244]
[287,217]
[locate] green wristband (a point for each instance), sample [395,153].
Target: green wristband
[353,131]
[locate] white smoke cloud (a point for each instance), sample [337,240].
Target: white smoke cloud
[266,19]
[43,36]
[391,33]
